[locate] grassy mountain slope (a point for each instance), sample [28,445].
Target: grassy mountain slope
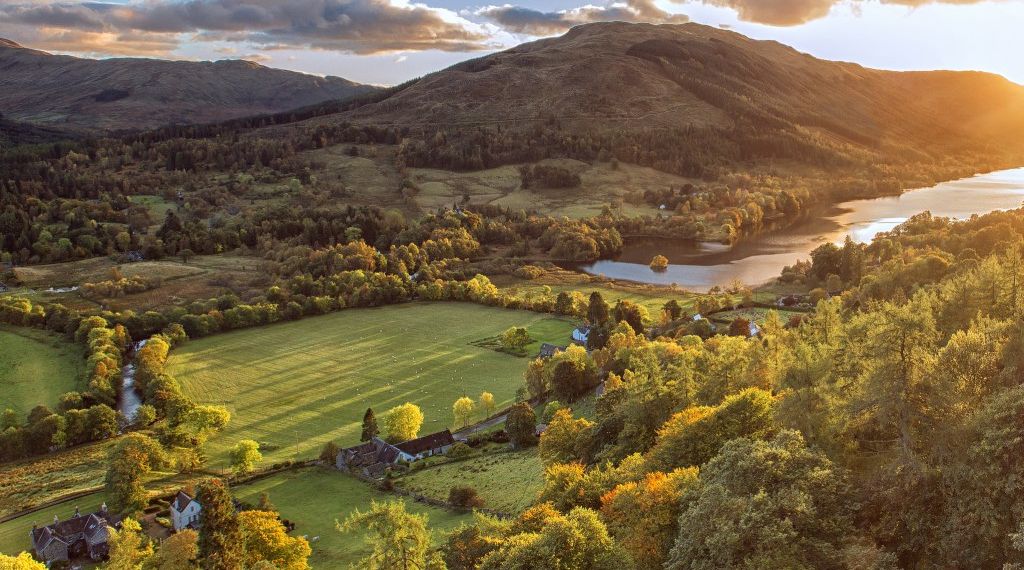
[85,95]
[627,77]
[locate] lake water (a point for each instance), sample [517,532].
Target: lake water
[759,258]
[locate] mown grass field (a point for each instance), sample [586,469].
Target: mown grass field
[294,386]
[36,367]
[507,481]
[315,497]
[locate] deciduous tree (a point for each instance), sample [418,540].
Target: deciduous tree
[463,409]
[398,539]
[220,540]
[244,456]
[403,422]
[521,425]
[264,538]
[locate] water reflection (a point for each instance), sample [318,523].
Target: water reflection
[759,258]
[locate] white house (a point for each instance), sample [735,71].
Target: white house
[185,511]
[580,335]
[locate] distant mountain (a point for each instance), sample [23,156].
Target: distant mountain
[80,96]
[620,77]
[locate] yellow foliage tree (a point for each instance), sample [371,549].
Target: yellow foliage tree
[264,538]
[403,423]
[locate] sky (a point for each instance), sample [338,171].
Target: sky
[389,41]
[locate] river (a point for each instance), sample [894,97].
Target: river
[129,400]
[760,257]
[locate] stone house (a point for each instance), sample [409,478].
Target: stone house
[372,458]
[81,536]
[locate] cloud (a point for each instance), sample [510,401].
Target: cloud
[777,12]
[521,20]
[796,12]
[355,26]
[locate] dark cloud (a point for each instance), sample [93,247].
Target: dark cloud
[535,22]
[358,26]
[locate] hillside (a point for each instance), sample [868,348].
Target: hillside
[78,95]
[622,78]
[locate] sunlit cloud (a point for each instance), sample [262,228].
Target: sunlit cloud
[796,12]
[528,21]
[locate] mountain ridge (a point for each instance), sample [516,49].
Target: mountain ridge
[86,96]
[626,76]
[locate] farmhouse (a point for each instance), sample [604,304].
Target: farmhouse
[547,350]
[77,537]
[371,459]
[580,335]
[185,511]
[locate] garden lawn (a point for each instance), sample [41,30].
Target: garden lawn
[294,386]
[507,481]
[36,367]
[313,498]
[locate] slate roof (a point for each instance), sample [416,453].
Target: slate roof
[427,442]
[547,350]
[91,527]
[181,500]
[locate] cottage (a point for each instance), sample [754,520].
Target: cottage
[547,350]
[77,537]
[372,458]
[580,335]
[433,444]
[185,511]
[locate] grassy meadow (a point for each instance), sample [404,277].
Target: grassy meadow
[36,367]
[294,386]
[506,481]
[315,497]
[30,482]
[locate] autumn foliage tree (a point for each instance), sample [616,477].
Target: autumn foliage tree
[403,422]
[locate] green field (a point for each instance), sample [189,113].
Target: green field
[314,498]
[36,367]
[293,386]
[754,314]
[507,481]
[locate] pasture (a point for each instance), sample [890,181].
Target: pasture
[36,367]
[294,386]
[30,482]
[315,497]
[506,481]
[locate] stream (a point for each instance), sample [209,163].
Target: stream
[129,400]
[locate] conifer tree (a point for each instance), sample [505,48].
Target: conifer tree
[370,429]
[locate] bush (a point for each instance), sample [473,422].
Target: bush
[465,497]
[459,451]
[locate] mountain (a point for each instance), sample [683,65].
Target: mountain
[622,77]
[81,96]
